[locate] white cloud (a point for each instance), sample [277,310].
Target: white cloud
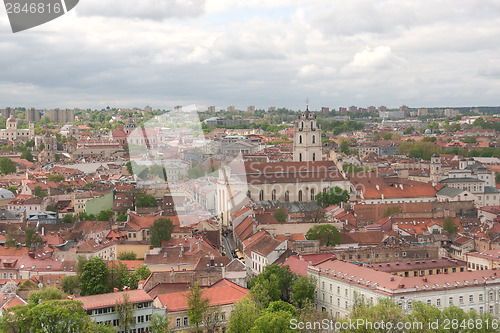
[256,52]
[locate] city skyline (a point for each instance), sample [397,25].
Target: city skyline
[124,54]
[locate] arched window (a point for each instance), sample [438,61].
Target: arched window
[312,126]
[300,138]
[300,195]
[261,195]
[314,138]
[287,196]
[324,189]
[312,194]
[302,125]
[314,156]
[300,157]
[273,195]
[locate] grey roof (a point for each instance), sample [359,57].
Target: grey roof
[461,180]
[6,194]
[449,191]
[490,189]
[9,215]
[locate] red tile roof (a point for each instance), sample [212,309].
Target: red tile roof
[111,299]
[223,292]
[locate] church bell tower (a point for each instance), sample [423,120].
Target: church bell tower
[307,138]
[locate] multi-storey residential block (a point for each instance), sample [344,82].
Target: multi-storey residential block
[340,283]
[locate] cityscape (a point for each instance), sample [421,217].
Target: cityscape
[216,166]
[320,211]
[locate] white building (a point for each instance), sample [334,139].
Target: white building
[101,309]
[339,283]
[12,133]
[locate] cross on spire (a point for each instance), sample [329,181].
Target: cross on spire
[307,103]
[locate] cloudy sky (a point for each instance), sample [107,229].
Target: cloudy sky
[127,53]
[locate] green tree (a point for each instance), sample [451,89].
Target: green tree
[39,192]
[32,237]
[244,315]
[387,136]
[105,215]
[10,239]
[280,215]
[71,284]
[68,218]
[44,294]
[450,226]
[26,154]
[273,284]
[127,256]
[161,230]
[344,147]
[333,196]
[95,277]
[303,290]
[119,275]
[273,322]
[409,130]
[121,217]
[197,306]
[13,189]
[327,234]
[146,200]
[56,316]
[7,166]
[159,323]
[125,312]
[142,272]
[56,177]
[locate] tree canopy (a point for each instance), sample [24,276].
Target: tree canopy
[95,277]
[327,234]
[146,200]
[197,306]
[333,196]
[161,230]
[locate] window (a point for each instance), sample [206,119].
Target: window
[338,290]
[428,302]
[491,309]
[480,297]
[491,295]
[261,195]
[314,139]
[314,157]
[300,195]
[178,322]
[461,300]
[300,157]
[300,138]
[438,302]
[312,195]
[471,298]
[273,195]
[186,321]
[287,196]
[450,301]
